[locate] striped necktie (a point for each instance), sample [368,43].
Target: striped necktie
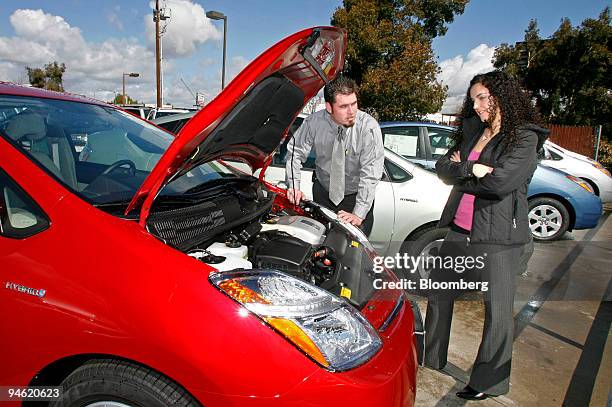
[336,176]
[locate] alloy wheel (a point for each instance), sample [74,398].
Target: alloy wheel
[545,221]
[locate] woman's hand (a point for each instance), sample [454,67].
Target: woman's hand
[456,157]
[480,170]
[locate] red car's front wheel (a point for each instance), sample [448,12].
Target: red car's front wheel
[117,383]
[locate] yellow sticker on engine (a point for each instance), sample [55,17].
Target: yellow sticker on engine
[355,244]
[346,292]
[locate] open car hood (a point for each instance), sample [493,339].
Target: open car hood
[249,119]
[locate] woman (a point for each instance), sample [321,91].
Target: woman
[490,166]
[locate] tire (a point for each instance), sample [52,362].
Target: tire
[117,383]
[548,218]
[425,242]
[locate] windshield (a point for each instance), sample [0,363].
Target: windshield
[101,153]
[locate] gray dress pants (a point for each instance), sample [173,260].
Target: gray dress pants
[491,371]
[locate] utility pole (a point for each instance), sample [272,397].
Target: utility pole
[156,18]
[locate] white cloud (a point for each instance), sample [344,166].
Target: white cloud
[212,86]
[114,20]
[96,69]
[45,29]
[23,51]
[92,67]
[236,65]
[458,71]
[208,62]
[186,29]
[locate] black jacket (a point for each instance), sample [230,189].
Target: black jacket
[500,207]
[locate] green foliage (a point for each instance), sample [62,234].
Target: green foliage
[568,73]
[49,77]
[389,53]
[605,154]
[118,100]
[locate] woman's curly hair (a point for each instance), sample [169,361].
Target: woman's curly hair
[514,104]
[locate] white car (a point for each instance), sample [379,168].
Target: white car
[137,110]
[162,112]
[579,166]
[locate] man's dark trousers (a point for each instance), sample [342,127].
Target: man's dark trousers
[321,196]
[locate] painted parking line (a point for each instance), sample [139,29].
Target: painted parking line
[580,389]
[531,308]
[556,336]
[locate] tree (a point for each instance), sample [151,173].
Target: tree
[568,73]
[389,53]
[516,59]
[49,77]
[118,100]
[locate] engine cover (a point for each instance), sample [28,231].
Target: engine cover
[306,229]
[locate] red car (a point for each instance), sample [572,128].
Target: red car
[143,270]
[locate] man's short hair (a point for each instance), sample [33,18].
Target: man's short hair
[341,85]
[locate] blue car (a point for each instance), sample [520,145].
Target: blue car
[558,202]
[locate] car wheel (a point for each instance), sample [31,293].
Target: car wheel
[548,218]
[116,383]
[426,242]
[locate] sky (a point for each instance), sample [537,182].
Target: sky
[99,41]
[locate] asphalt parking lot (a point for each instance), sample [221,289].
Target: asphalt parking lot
[563,344]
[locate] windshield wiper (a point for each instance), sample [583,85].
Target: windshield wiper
[176,199]
[113,204]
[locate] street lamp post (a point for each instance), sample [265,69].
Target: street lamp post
[216,15]
[133,75]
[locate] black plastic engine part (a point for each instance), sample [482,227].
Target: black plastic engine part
[280,251]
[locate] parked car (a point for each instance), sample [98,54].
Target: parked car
[558,202]
[173,123]
[137,110]
[580,166]
[162,112]
[173,296]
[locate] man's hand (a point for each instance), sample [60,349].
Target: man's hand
[456,157]
[349,218]
[480,170]
[295,196]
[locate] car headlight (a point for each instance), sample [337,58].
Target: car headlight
[581,182]
[324,327]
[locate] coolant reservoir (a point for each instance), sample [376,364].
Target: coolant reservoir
[232,263]
[221,249]
[222,262]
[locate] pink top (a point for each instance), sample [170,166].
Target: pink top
[465,211]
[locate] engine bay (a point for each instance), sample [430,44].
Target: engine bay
[238,229]
[300,246]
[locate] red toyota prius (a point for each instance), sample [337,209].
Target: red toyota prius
[143,269]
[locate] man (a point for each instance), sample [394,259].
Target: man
[350,156]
